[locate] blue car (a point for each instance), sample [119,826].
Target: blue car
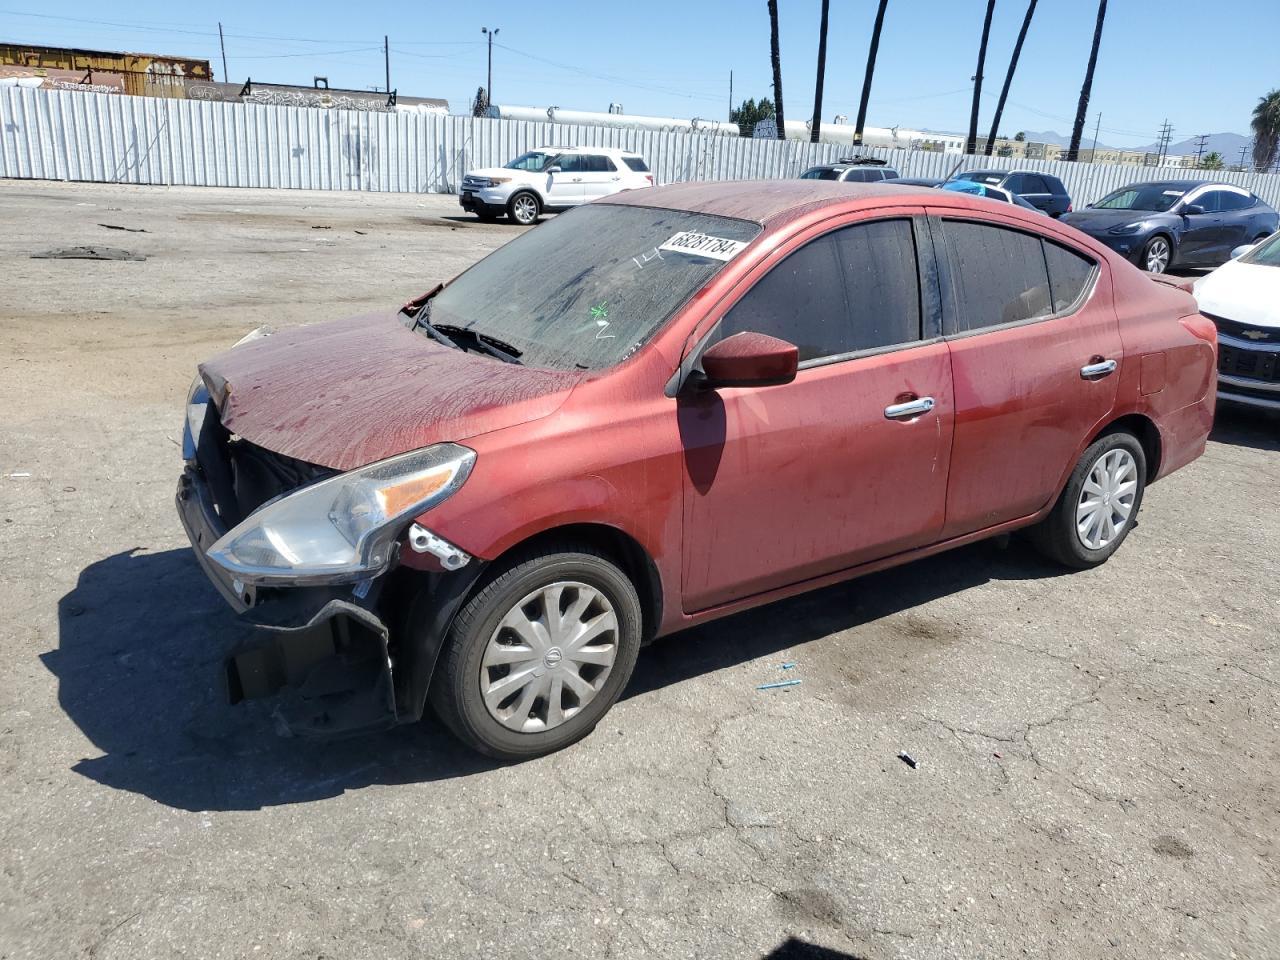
[1176,223]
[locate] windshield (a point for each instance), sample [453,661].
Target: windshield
[535,160]
[992,177]
[1265,254]
[583,290]
[1144,196]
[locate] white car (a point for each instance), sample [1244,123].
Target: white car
[1243,298]
[551,178]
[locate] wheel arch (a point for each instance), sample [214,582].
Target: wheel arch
[1148,434]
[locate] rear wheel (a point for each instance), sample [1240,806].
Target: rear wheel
[1157,254]
[539,654]
[1099,505]
[524,208]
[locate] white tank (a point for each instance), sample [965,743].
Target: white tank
[623,121]
[897,138]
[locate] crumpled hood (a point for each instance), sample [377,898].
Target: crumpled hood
[349,392]
[1100,221]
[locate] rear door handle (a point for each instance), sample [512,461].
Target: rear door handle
[1100,369]
[909,409]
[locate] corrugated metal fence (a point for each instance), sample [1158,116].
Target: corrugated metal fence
[64,135]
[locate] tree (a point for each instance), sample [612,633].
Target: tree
[480,105]
[1008,77]
[1020,136]
[1211,161]
[816,127]
[971,142]
[871,69]
[1266,130]
[751,112]
[777,67]
[1077,130]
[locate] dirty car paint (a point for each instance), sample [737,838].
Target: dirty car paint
[349,392]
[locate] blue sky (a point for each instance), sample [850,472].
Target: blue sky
[673,57]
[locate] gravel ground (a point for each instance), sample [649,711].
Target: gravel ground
[1096,751]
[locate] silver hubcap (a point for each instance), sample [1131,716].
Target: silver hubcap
[549,657]
[1157,256]
[525,209]
[1106,502]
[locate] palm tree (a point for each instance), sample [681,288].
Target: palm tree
[1266,130]
[816,127]
[971,142]
[777,68]
[1077,131]
[1008,77]
[871,68]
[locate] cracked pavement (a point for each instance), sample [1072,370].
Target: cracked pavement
[1096,751]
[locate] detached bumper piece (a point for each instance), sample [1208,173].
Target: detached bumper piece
[332,676]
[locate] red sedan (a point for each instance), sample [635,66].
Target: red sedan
[663,408]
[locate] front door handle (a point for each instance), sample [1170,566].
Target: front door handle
[1101,368]
[908,410]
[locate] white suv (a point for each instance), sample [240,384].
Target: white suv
[551,178]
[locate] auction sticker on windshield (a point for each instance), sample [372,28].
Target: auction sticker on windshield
[704,245]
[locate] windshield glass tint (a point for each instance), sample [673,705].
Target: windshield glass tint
[1265,254]
[534,161]
[1147,196]
[583,290]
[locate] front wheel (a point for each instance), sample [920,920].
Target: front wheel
[1099,505]
[1156,255]
[538,655]
[524,209]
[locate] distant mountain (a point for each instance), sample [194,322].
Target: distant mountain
[1227,144]
[1050,136]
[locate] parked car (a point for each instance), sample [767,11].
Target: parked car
[1041,190]
[988,191]
[551,178]
[852,170]
[1176,223]
[659,409]
[918,181]
[1243,298]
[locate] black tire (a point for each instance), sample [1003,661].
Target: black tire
[1145,258]
[518,208]
[455,691]
[1056,535]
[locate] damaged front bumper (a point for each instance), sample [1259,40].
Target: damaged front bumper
[341,659]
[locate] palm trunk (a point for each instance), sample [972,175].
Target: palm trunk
[871,69]
[971,142]
[1008,77]
[816,126]
[1077,131]
[777,68]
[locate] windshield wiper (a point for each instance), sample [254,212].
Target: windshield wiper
[480,341]
[422,321]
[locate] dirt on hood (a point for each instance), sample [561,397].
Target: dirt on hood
[350,392]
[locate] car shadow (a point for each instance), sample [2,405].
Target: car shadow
[1243,426]
[795,949]
[142,638]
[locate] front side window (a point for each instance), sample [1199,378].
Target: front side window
[854,289]
[535,161]
[587,287]
[571,163]
[999,276]
[1210,201]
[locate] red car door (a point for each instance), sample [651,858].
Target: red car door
[1035,348]
[848,462]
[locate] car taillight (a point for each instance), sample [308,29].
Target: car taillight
[1201,327]
[1068,206]
[649,177]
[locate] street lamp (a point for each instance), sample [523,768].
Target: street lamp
[488,91]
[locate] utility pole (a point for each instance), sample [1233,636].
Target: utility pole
[1201,139]
[1166,135]
[730,94]
[488,91]
[1093,154]
[226,77]
[1243,151]
[971,141]
[386,57]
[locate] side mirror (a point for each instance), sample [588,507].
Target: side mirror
[551,170]
[1242,250]
[750,360]
[1192,209]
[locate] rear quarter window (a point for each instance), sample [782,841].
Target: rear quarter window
[637,164]
[1070,275]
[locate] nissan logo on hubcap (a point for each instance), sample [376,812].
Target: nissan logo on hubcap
[553,657]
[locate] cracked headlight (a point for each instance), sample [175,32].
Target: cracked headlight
[343,528]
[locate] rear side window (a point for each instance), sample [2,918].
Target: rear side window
[854,289]
[862,176]
[999,276]
[1055,185]
[637,164]
[1069,275]
[820,173]
[1031,183]
[890,173]
[1230,200]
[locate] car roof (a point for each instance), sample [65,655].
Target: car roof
[771,201]
[612,151]
[1181,184]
